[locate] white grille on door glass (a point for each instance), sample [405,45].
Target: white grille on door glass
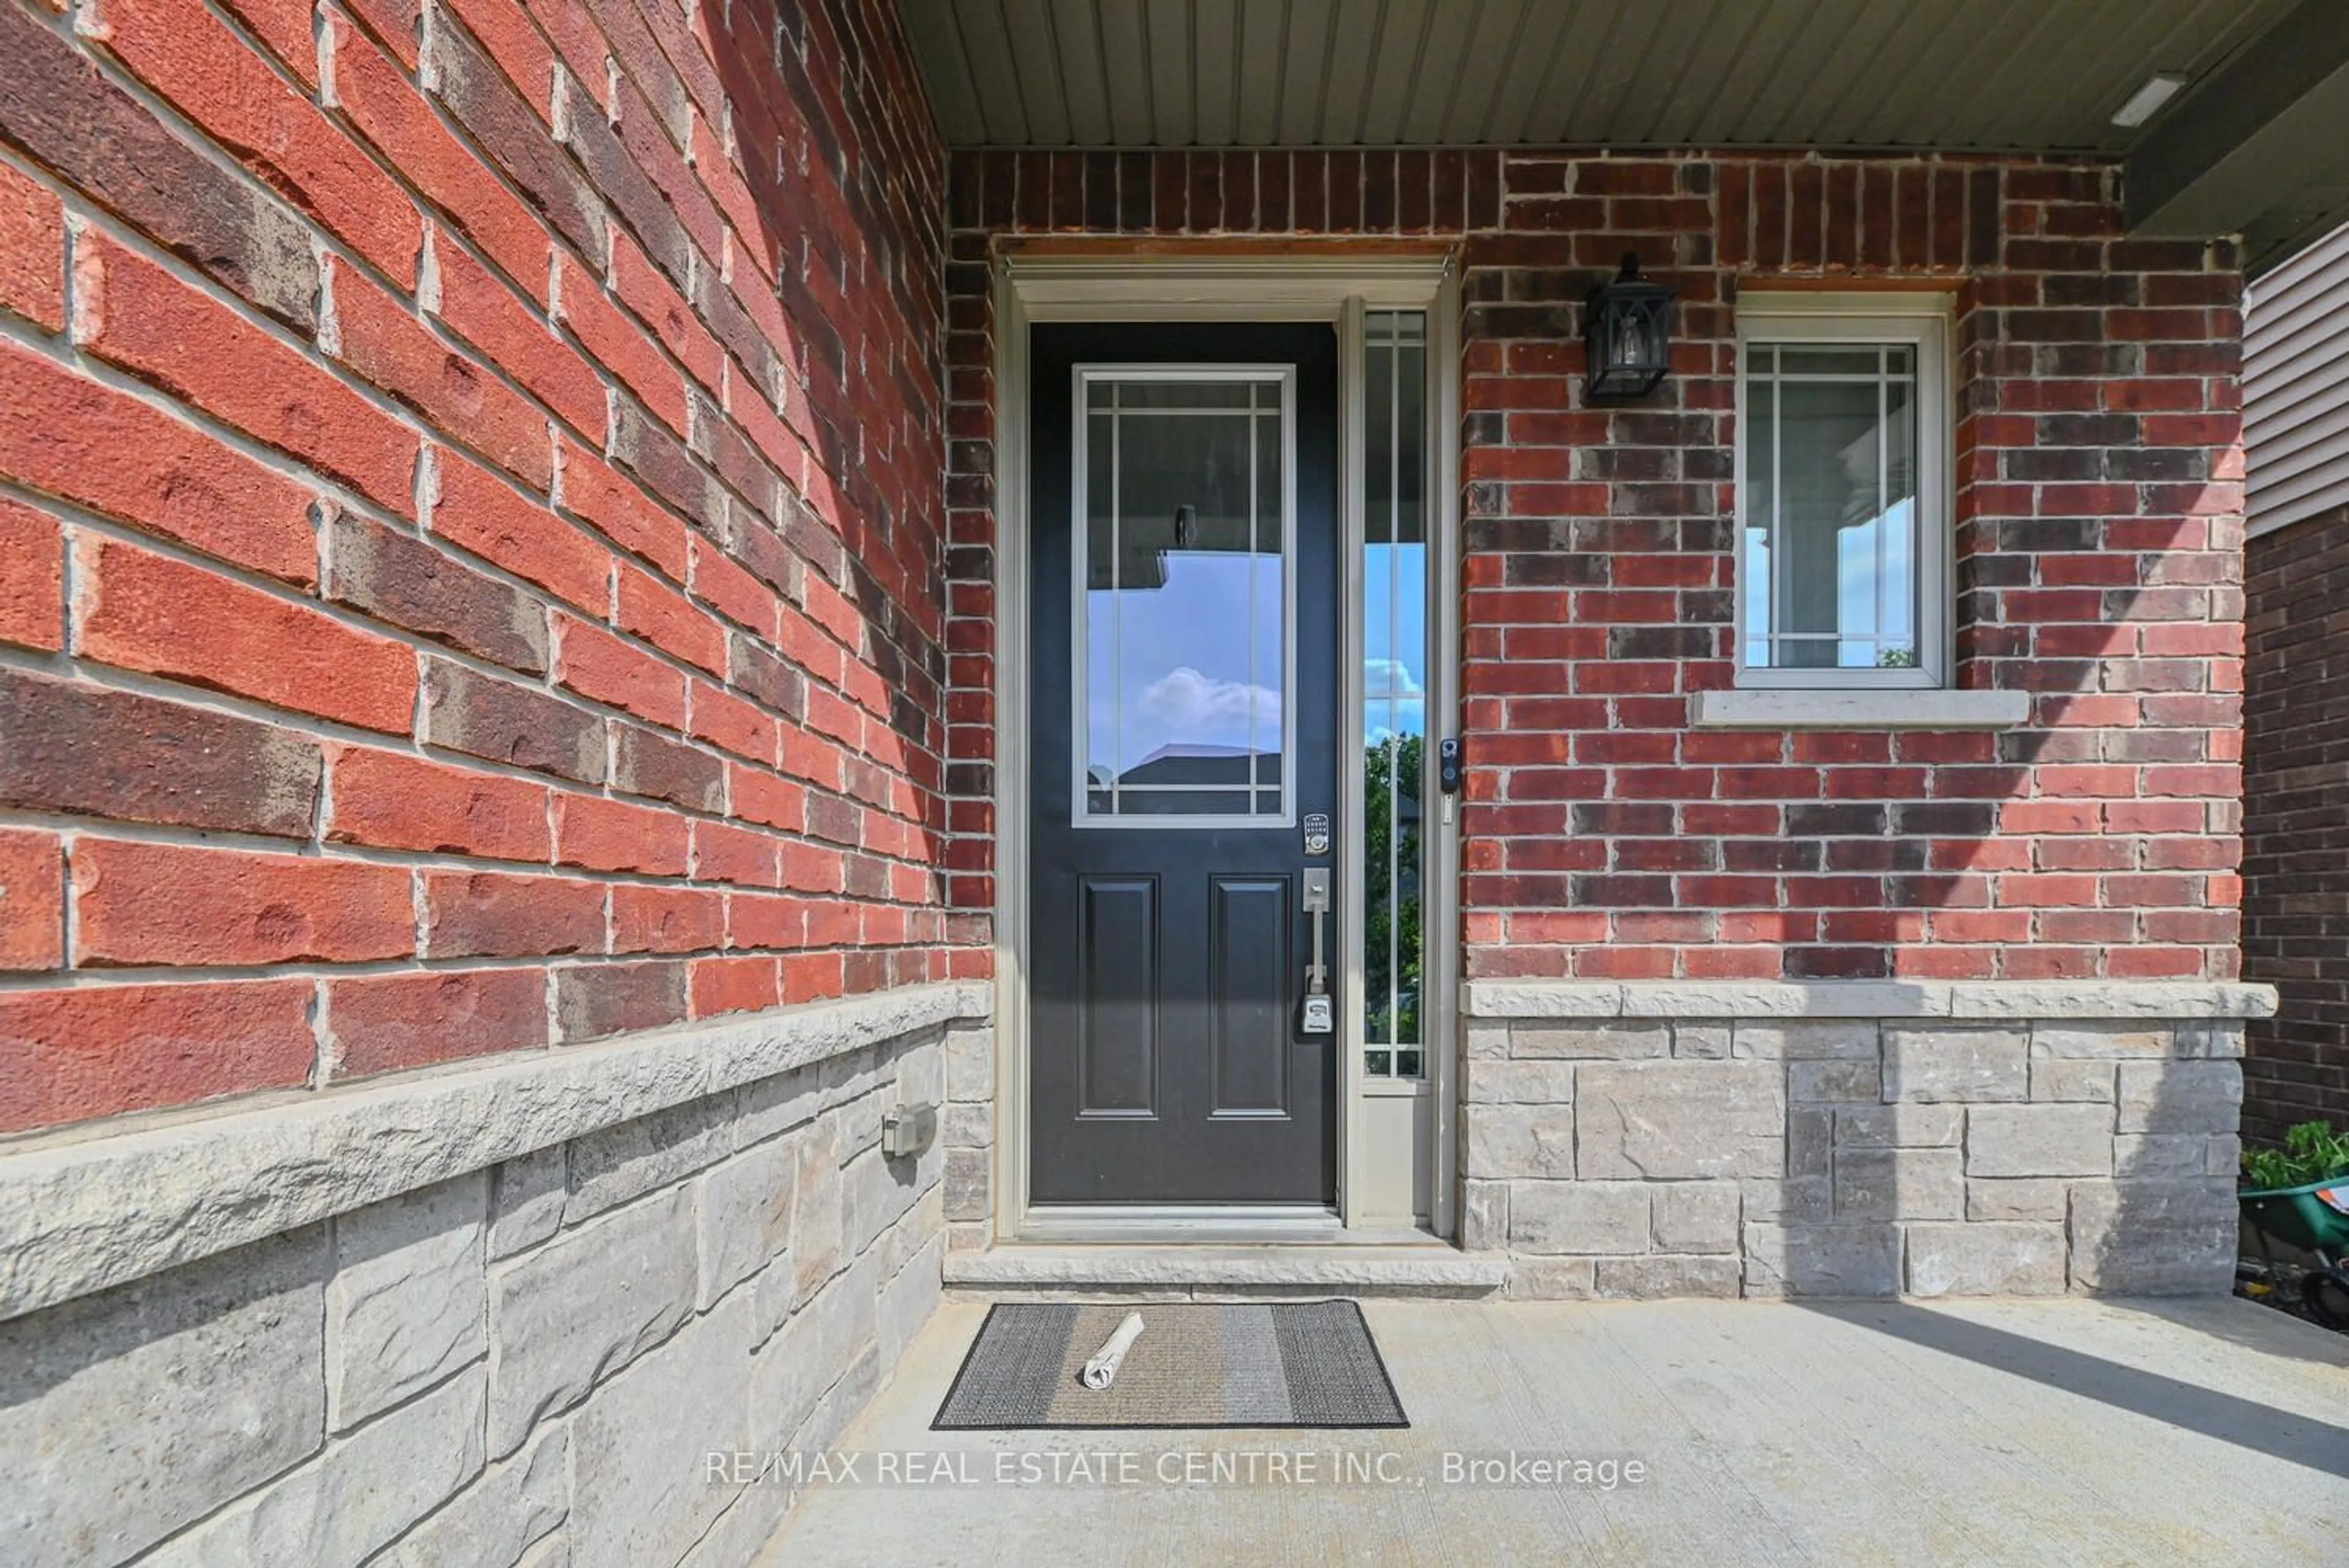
[1186,595]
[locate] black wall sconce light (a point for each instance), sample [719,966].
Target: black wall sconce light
[1624,323]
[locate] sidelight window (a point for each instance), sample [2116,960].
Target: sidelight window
[1394,686]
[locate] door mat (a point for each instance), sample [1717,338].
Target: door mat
[1195,1364]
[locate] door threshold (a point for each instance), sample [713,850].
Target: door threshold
[1423,1266]
[1205,1224]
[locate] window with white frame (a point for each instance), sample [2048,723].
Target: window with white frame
[1843,508]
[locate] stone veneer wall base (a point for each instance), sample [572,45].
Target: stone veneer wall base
[497,1316]
[1853,1138]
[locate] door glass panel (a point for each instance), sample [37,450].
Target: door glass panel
[1185,706]
[1394,687]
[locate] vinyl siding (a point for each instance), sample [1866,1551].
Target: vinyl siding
[2296,386]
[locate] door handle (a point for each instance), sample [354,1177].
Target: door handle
[1321,1014]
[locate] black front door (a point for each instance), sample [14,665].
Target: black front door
[1185,645]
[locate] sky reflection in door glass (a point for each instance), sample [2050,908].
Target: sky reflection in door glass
[1187,597]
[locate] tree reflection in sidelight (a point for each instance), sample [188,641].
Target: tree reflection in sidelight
[1394,680]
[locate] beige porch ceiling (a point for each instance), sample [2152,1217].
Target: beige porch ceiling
[2030,74]
[2233,151]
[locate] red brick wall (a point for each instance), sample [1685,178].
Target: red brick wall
[2296,825]
[468,531]
[2098,510]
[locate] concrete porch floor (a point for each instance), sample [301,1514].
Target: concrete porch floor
[2065,1431]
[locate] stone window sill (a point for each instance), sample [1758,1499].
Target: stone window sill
[1784,708]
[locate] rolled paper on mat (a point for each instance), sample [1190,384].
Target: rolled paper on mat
[1101,1370]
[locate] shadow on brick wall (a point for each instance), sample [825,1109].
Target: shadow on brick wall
[846,180]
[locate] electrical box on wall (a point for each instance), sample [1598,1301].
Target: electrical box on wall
[908,1130]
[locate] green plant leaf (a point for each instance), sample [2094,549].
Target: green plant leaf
[2312,1152]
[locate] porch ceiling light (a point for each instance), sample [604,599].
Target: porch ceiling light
[2146,102]
[1624,323]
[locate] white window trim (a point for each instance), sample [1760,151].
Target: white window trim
[1922,321]
[1277,285]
